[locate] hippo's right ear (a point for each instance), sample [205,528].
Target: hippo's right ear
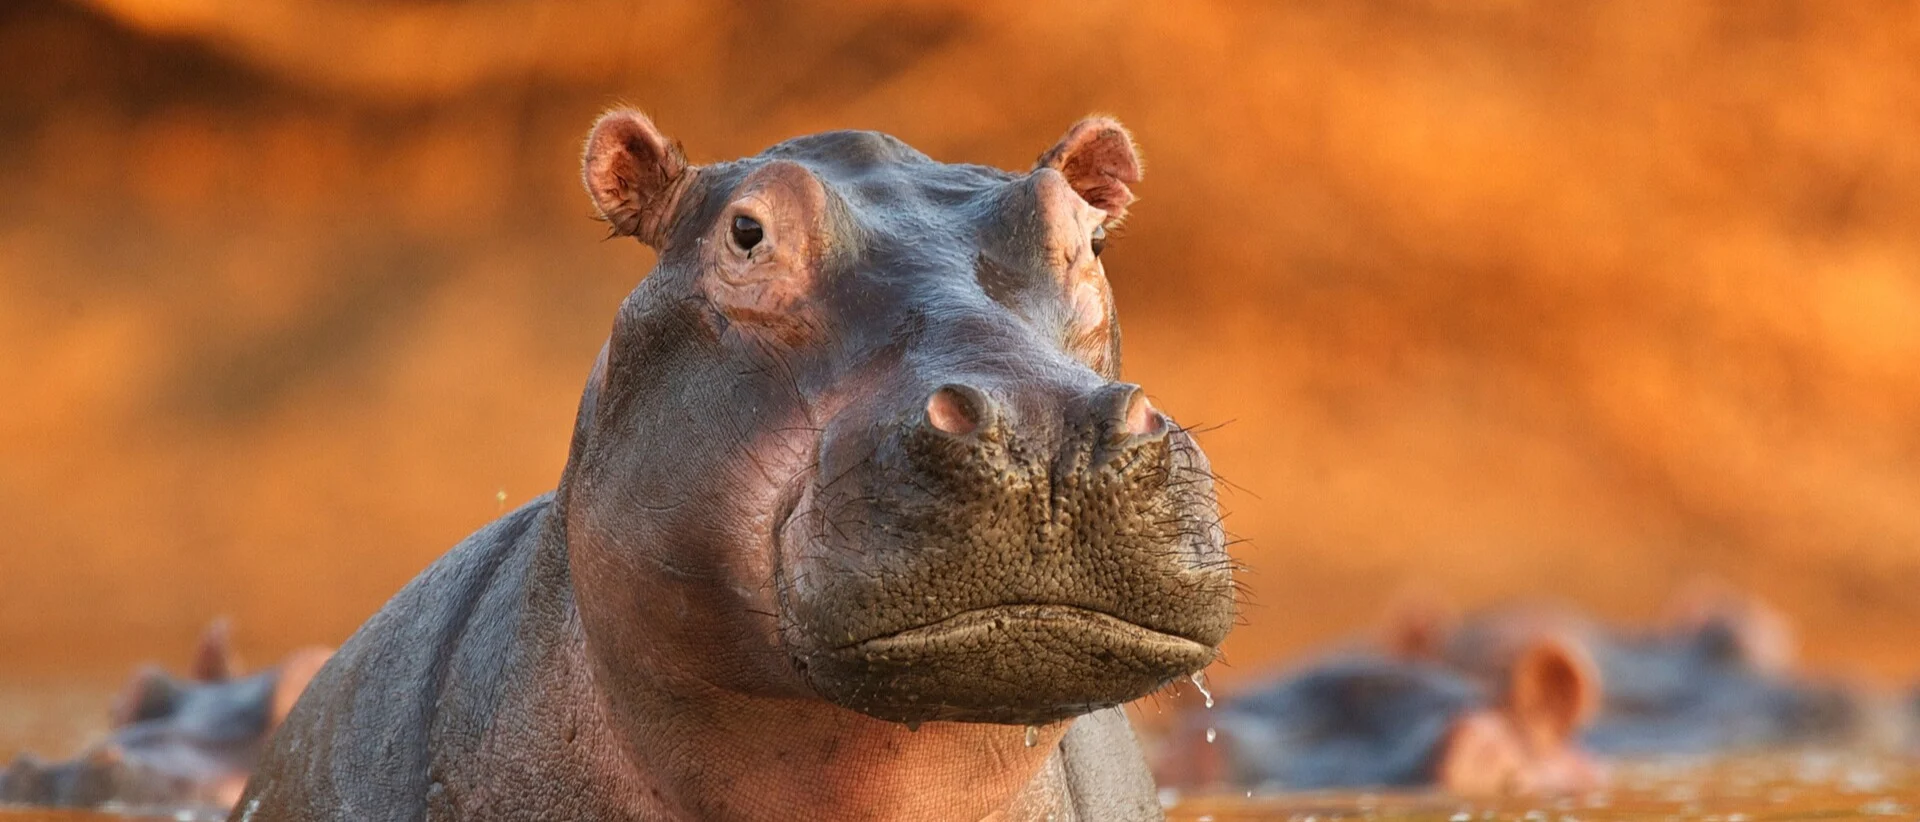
[634,174]
[1554,691]
[214,659]
[1099,160]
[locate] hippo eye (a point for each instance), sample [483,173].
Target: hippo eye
[1099,239]
[746,232]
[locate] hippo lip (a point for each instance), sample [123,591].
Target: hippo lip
[1010,664]
[981,621]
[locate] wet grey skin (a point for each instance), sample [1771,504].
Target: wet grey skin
[1694,693]
[855,497]
[1359,721]
[1694,689]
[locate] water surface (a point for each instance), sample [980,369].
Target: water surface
[1748,789]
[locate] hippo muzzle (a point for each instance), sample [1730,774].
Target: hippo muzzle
[979,558]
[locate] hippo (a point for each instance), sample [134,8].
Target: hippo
[1910,720]
[1359,720]
[183,746]
[857,522]
[1716,677]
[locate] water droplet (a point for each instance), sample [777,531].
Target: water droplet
[1199,680]
[1211,735]
[1033,736]
[1169,797]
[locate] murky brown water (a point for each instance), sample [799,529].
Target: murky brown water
[1799,786]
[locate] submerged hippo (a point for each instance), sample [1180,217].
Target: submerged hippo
[857,523]
[178,745]
[1716,677]
[1363,720]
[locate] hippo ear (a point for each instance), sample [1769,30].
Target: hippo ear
[1554,691]
[634,174]
[214,659]
[1418,626]
[1099,160]
[1730,626]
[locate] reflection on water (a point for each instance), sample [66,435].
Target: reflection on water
[1799,786]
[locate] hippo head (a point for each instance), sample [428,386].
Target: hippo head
[1367,720]
[860,435]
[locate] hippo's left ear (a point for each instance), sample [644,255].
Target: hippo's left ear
[1099,160]
[635,175]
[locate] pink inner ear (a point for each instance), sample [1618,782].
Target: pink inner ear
[1099,160]
[1554,690]
[632,172]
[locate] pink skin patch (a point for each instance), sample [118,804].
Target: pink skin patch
[952,413]
[1142,420]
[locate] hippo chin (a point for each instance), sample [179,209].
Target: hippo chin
[857,523]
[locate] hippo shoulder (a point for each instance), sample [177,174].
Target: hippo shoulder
[397,693]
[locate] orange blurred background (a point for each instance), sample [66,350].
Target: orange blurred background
[1492,298]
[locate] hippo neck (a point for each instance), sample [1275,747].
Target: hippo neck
[714,755]
[710,753]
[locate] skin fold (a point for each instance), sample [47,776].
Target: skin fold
[858,523]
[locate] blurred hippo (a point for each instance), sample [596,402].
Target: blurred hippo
[1360,720]
[1715,677]
[177,744]
[858,522]
[1910,720]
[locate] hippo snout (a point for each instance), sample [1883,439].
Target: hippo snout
[1006,555]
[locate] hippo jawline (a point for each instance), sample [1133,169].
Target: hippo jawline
[1024,664]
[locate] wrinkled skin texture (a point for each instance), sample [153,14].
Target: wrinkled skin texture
[1716,679]
[857,523]
[1369,721]
[177,744]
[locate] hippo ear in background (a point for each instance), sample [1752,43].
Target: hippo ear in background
[1731,626]
[1098,158]
[1554,691]
[214,659]
[1418,625]
[296,671]
[635,175]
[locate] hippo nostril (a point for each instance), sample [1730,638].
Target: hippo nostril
[1141,418]
[959,409]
